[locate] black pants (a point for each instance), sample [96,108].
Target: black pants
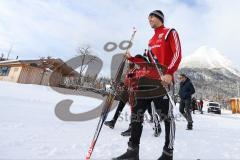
[120,107]
[164,110]
[200,108]
[185,109]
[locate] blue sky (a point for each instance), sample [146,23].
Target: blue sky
[58,27]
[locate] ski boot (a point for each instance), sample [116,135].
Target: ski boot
[127,132]
[190,126]
[167,154]
[131,154]
[110,124]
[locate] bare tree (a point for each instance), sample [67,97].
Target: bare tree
[9,51]
[85,52]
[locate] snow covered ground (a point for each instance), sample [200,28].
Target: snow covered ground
[29,129]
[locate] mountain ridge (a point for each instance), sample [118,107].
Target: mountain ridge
[209,58]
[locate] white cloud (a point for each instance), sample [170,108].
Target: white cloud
[57,28]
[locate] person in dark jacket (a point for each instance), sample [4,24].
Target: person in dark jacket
[201,106]
[194,105]
[185,92]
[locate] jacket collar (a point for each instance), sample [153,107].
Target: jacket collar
[187,79]
[159,29]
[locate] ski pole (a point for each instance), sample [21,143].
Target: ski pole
[160,72]
[108,101]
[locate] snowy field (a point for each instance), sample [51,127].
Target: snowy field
[29,129]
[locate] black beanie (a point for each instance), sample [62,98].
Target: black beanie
[159,14]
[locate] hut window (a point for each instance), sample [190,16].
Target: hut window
[4,70]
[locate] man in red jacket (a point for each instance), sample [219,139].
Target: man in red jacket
[165,50]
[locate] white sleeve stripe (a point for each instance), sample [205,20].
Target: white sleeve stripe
[177,48]
[168,33]
[176,55]
[177,52]
[173,61]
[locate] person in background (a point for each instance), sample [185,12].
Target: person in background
[194,105]
[201,106]
[185,92]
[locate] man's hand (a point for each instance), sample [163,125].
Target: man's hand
[167,80]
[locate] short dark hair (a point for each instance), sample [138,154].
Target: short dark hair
[183,75]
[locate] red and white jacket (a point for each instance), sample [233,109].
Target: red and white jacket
[166,47]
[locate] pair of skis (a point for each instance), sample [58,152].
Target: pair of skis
[109,100]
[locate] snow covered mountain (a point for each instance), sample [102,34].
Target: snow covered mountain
[209,58]
[212,74]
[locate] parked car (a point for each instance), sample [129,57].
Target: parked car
[214,107]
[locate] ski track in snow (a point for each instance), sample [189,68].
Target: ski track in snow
[29,129]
